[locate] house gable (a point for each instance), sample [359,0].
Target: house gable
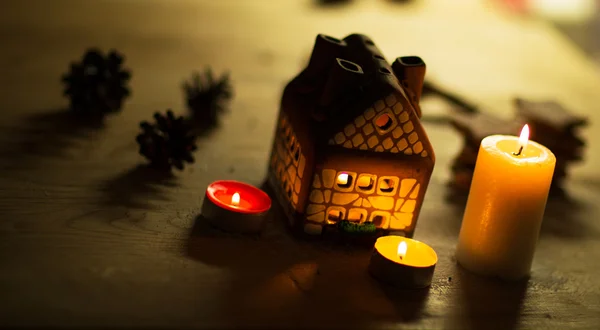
[389,125]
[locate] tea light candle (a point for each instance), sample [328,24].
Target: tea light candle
[235,206]
[402,262]
[506,203]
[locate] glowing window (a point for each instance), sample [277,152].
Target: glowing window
[357,215]
[335,214]
[365,182]
[344,180]
[387,185]
[384,122]
[380,219]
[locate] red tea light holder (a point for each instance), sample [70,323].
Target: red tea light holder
[235,206]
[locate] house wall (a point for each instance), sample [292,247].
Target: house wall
[287,166]
[393,209]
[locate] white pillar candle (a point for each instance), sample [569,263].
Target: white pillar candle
[506,203]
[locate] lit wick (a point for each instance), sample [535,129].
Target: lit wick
[402,247]
[523,140]
[518,153]
[235,199]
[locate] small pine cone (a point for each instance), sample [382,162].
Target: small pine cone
[167,143]
[206,97]
[98,84]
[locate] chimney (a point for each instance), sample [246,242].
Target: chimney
[410,70]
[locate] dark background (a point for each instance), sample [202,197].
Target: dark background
[91,237]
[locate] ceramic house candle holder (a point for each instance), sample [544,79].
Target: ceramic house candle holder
[350,155]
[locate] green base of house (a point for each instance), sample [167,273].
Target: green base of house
[365,228]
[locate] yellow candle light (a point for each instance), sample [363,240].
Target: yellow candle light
[235,199]
[402,262]
[505,207]
[402,247]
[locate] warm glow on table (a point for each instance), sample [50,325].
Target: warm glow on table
[506,205]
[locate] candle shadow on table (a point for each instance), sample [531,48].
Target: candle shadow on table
[275,280]
[140,187]
[487,303]
[260,288]
[408,304]
[214,246]
[49,134]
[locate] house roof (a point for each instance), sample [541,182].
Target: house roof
[342,79]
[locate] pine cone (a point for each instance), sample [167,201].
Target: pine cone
[98,84]
[169,142]
[206,97]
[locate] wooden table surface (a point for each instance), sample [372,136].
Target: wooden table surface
[90,237]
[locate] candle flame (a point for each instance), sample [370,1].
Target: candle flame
[524,138]
[402,247]
[235,199]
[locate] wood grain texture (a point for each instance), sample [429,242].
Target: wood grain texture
[90,237]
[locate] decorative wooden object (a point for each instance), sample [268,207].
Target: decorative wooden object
[474,128]
[555,127]
[551,125]
[349,148]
